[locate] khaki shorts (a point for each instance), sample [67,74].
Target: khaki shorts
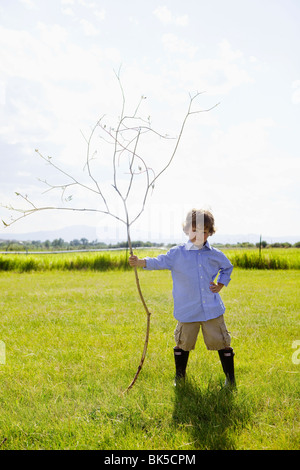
[214,333]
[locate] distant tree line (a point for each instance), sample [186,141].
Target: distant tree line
[84,244]
[265,244]
[60,245]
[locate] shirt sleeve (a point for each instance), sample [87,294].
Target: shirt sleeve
[165,261]
[225,271]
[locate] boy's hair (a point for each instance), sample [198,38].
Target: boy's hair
[199,218]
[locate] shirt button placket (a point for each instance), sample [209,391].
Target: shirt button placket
[202,290]
[201,279]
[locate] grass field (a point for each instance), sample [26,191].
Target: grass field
[73,341]
[276,258]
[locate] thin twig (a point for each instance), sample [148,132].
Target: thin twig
[49,160]
[88,161]
[130,166]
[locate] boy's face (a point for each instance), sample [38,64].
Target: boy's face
[198,236]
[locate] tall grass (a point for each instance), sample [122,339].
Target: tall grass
[256,261]
[65,262]
[107,261]
[268,259]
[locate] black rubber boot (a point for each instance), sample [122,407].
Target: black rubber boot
[181,359]
[226,357]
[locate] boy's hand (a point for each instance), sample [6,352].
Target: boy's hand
[134,261]
[215,288]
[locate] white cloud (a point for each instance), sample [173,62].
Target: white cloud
[50,87]
[100,14]
[172,43]
[296,93]
[64,86]
[113,54]
[245,142]
[2,93]
[165,16]
[67,11]
[227,53]
[87,4]
[217,75]
[57,78]
[253,59]
[88,28]
[28,3]
[234,168]
[182,20]
[52,36]
[134,20]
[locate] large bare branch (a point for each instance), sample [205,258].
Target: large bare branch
[124,140]
[33,209]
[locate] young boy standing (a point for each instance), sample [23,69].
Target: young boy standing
[197,303]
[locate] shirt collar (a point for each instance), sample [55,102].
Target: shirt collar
[190,246]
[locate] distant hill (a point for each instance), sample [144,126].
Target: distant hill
[66,233]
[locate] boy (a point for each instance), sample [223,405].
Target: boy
[194,267]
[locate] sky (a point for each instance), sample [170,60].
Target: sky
[59,61]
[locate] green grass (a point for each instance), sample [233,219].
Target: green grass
[276,258]
[73,343]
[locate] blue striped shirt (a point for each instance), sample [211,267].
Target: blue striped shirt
[192,271]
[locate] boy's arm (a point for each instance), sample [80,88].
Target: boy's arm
[163,261]
[225,271]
